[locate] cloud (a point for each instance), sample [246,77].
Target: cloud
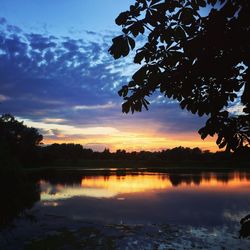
[67,87]
[70,130]
[52,73]
[93,107]
[4,98]
[54,120]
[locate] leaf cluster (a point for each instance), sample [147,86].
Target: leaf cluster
[201,61]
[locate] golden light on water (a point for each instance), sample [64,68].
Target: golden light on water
[127,184]
[112,186]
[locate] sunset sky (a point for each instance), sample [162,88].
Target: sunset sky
[57,76]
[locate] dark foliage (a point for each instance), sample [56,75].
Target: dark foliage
[72,154]
[200,60]
[17,193]
[18,143]
[245,227]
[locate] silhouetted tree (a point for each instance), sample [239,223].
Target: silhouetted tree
[200,60]
[120,154]
[17,141]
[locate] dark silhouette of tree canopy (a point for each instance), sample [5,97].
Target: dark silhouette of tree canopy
[17,140]
[200,60]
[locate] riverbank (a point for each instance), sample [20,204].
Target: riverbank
[102,164]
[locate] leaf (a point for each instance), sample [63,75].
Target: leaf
[179,34]
[123,91]
[136,28]
[131,84]
[194,5]
[193,108]
[172,5]
[203,133]
[202,3]
[125,107]
[145,104]
[200,112]
[138,105]
[212,2]
[120,47]
[232,97]
[120,92]
[223,144]
[131,42]
[219,139]
[153,2]
[139,75]
[139,56]
[122,18]
[183,103]
[187,16]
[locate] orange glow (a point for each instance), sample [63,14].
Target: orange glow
[112,186]
[132,135]
[145,183]
[126,184]
[139,141]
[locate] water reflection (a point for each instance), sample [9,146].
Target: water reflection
[205,205]
[113,185]
[18,193]
[206,198]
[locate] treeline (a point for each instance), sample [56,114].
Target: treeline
[75,152]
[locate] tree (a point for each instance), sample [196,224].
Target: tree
[17,141]
[200,60]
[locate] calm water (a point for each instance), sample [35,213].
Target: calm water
[207,199]
[210,201]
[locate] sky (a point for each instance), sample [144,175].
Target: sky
[57,76]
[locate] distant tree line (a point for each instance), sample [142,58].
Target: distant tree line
[21,145]
[74,152]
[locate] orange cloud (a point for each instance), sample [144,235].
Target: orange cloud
[131,137]
[139,141]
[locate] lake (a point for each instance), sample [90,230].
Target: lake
[119,209]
